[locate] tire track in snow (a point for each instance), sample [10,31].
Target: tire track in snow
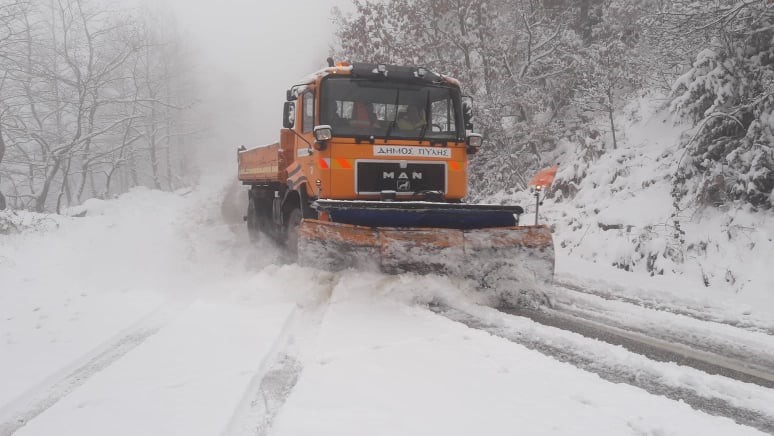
[654,346]
[278,373]
[701,315]
[634,370]
[17,413]
[737,353]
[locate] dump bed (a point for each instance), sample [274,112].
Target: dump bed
[261,164]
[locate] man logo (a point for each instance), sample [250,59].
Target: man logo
[402,176]
[404,186]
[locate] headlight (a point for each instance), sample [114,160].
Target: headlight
[475,140]
[323,133]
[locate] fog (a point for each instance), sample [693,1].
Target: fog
[247,53]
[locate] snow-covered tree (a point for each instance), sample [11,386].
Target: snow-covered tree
[537,70]
[612,66]
[80,84]
[729,93]
[11,31]
[524,63]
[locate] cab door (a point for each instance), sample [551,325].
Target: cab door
[314,164]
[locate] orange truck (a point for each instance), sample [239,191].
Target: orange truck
[371,169]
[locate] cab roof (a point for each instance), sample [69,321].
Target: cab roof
[383,71]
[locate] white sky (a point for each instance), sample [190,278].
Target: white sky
[250,52]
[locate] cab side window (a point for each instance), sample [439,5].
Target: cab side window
[308,122]
[443,115]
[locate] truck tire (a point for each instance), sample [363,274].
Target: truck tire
[253,227]
[291,232]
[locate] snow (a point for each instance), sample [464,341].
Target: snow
[185,380]
[406,371]
[154,315]
[623,215]
[59,284]
[676,293]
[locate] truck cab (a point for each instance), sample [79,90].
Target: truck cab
[371,132]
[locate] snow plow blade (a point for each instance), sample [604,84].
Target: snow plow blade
[522,254]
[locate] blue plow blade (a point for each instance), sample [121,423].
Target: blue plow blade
[415,214]
[446,219]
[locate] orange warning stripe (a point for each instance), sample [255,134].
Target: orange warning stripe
[344,163]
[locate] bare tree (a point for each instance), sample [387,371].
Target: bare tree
[11,28]
[608,78]
[86,94]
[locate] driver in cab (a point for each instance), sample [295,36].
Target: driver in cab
[412,119]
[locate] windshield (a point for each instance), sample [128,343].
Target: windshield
[362,107]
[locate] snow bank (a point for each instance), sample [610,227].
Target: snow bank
[615,208]
[12,221]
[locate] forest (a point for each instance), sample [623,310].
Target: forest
[93,101]
[543,71]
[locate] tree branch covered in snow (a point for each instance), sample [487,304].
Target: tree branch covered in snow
[729,93]
[554,70]
[534,68]
[80,83]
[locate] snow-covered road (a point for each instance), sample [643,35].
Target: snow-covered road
[153,316]
[749,354]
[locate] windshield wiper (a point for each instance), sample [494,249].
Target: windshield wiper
[389,129]
[422,132]
[394,121]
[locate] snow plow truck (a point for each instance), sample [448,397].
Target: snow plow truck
[371,170]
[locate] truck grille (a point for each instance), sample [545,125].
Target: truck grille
[375,177]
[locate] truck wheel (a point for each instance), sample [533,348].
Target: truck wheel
[291,232]
[253,231]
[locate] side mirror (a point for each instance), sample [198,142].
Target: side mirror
[467,112]
[289,115]
[290,95]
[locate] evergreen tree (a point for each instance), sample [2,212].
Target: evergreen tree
[729,94]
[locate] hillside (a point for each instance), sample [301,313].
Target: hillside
[615,208]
